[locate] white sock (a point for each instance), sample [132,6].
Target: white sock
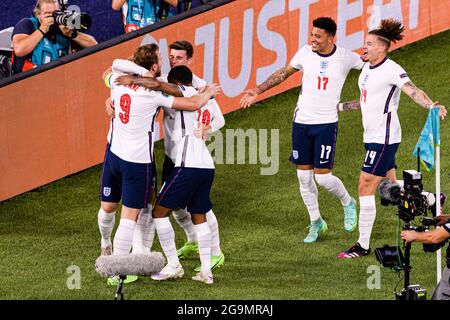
[309,193]
[214,227]
[123,238]
[335,186]
[184,220]
[367,214]
[106,223]
[166,237]
[144,232]
[204,245]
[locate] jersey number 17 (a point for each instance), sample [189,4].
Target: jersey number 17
[322,84]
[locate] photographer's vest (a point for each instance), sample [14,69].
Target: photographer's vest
[48,50]
[141,13]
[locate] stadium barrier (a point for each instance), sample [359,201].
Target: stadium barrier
[53,120]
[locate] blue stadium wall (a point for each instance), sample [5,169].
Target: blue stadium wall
[106,23]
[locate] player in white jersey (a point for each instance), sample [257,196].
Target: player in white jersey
[380,82]
[127,169]
[325,68]
[181,54]
[189,183]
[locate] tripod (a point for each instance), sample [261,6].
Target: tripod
[409,292]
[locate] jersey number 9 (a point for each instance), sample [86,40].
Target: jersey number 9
[125,104]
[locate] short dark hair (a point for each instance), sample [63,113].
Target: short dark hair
[327,24]
[183,45]
[146,56]
[180,75]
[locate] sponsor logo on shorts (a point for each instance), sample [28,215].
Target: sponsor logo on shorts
[295,154]
[106,191]
[322,162]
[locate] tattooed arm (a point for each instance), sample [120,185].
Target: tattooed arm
[275,79]
[151,84]
[422,99]
[349,106]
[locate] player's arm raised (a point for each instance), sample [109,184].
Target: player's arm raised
[196,102]
[422,99]
[275,79]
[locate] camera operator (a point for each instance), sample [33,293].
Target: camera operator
[38,40]
[442,291]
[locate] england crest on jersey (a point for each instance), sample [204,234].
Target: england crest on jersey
[323,65]
[295,154]
[366,77]
[106,191]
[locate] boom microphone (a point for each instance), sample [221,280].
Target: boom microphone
[139,264]
[389,191]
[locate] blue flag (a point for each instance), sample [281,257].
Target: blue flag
[429,138]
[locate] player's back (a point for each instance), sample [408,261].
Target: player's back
[133,127]
[192,151]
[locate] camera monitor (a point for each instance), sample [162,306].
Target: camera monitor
[390,256]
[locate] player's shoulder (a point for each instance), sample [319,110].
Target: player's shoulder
[162,78]
[393,66]
[198,82]
[188,91]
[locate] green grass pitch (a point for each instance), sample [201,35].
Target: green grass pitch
[262,219]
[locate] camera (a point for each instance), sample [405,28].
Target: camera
[411,201]
[75,20]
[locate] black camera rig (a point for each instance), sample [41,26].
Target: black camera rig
[412,201]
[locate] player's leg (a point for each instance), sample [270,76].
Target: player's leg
[182,217]
[302,152]
[200,203]
[110,194]
[144,232]
[136,186]
[166,236]
[324,149]
[106,220]
[184,220]
[379,161]
[217,256]
[174,194]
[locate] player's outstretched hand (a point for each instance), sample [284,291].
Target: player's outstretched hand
[248,98]
[215,89]
[110,108]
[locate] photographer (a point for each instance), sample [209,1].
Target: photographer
[442,291]
[38,40]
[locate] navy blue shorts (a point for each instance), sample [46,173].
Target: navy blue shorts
[380,158]
[314,144]
[167,168]
[127,180]
[187,188]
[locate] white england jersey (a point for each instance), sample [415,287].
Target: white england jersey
[169,119]
[380,87]
[126,66]
[191,151]
[132,130]
[323,79]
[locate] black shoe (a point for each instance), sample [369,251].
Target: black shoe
[354,252]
